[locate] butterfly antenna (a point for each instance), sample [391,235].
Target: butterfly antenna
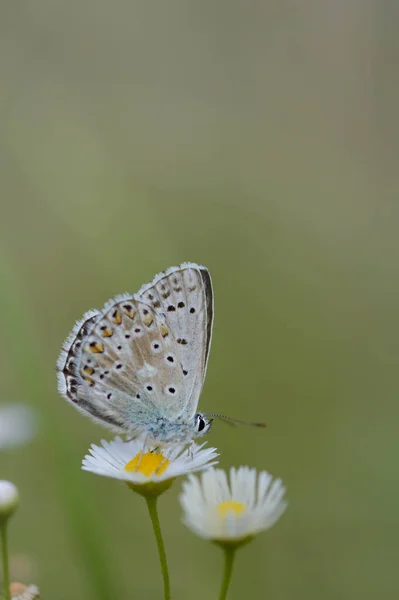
[233,422]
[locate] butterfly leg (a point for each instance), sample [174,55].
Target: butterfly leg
[190,449]
[158,469]
[142,452]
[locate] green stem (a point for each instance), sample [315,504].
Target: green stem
[229,555]
[31,363]
[153,511]
[4,556]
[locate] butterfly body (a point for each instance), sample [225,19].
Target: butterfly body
[163,430]
[138,365]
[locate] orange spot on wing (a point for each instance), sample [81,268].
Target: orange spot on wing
[117,317]
[88,370]
[96,347]
[128,310]
[107,332]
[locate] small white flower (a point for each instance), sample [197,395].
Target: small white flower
[19,591]
[9,499]
[17,425]
[231,512]
[145,468]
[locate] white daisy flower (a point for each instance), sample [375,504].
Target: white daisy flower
[147,469]
[19,591]
[231,512]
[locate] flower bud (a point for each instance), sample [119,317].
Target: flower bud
[9,500]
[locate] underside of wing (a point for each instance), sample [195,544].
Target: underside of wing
[184,296]
[143,356]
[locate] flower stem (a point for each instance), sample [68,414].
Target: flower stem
[4,556]
[229,555]
[153,511]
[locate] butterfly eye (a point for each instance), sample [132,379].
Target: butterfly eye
[201,423]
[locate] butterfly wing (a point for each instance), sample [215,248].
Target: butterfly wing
[184,296]
[142,356]
[71,376]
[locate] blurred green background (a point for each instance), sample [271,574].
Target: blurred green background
[260,139]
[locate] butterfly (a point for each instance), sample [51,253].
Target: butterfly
[138,365]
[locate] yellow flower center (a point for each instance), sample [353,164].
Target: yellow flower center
[150,463]
[230,507]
